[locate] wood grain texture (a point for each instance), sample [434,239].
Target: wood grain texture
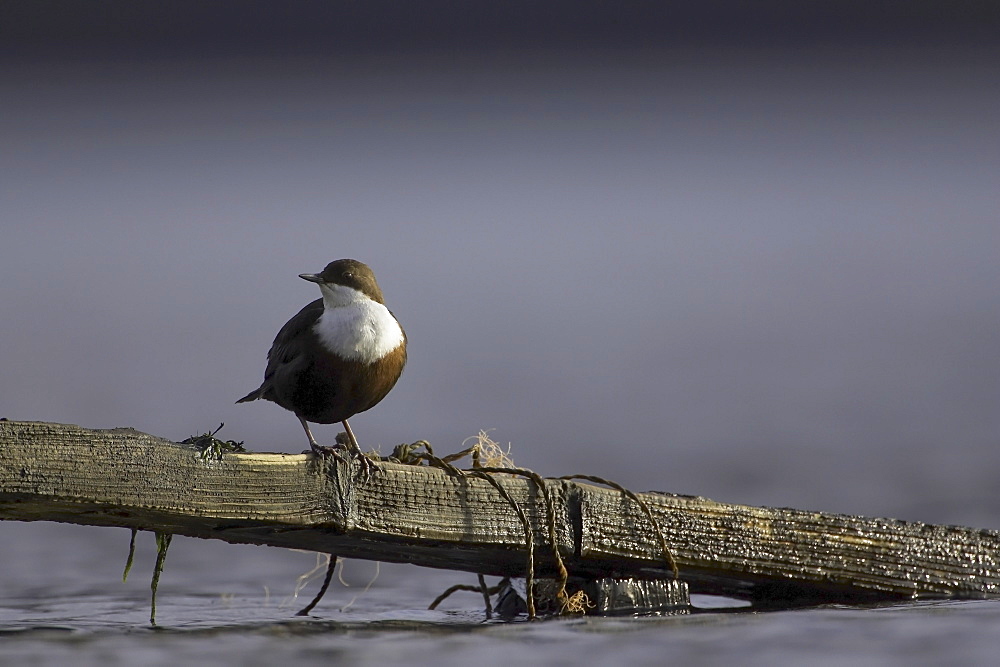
[421,515]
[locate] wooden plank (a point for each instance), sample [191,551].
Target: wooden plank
[421,515]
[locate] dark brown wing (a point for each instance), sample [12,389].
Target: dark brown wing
[286,351]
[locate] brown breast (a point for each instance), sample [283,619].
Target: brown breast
[325,388]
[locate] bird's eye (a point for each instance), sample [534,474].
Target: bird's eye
[348,274]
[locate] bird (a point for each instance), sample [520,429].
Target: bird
[338,356]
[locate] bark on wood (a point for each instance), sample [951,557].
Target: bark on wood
[421,515]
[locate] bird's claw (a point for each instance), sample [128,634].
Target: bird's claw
[366,467]
[323,451]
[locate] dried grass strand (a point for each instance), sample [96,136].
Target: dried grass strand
[330,567]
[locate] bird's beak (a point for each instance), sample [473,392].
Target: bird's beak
[311,277]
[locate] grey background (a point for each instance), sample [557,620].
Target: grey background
[752,260]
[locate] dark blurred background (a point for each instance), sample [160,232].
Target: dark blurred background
[741,250]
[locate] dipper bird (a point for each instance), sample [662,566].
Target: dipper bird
[340,355]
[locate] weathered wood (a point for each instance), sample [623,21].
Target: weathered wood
[421,515]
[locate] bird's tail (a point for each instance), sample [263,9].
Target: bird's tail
[252,396]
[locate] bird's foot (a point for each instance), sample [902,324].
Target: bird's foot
[367,468]
[347,440]
[323,451]
[343,451]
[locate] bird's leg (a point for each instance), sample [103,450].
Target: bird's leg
[355,449]
[366,465]
[319,449]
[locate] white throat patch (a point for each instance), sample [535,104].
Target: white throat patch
[355,327]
